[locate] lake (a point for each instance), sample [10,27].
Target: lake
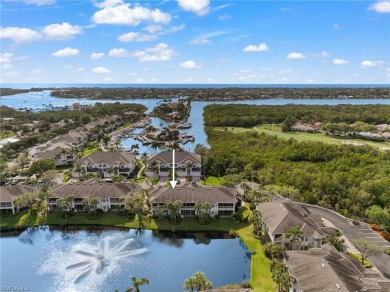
[105,261]
[42,100]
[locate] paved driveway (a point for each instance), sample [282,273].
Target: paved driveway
[350,231]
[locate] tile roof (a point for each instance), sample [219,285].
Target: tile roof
[107,158]
[10,193]
[180,157]
[320,269]
[193,195]
[280,216]
[94,189]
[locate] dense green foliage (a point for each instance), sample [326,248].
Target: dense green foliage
[241,115]
[75,113]
[345,178]
[44,128]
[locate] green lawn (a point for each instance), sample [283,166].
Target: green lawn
[261,279]
[302,136]
[212,181]
[358,257]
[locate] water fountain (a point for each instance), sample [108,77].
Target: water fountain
[88,262]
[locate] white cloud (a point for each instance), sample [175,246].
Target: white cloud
[6,58]
[173,29]
[336,26]
[101,70]
[136,37]
[199,7]
[309,80]
[37,71]
[153,28]
[96,56]
[190,65]
[204,39]
[39,2]
[67,52]
[381,7]
[119,53]
[19,34]
[161,52]
[337,61]
[78,70]
[295,55]
[253,48]
[120,13]
[62,31]
[224,17]
[366,64]
[107,79]
[108,3]
[6,66]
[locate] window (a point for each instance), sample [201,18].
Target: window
[225,205]
[78,200]
[6,204]
[52,200]
[225,212]
[187,212]
[116,200]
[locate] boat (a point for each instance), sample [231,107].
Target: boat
[184,126]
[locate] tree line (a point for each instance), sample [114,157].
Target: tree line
[241,115]
[349,179]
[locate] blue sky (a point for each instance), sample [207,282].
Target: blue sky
[195,41]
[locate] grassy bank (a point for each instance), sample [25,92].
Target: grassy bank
[261,279]
[260,266]
[310,137]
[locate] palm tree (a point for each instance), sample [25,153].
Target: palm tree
[136,284]
[198,281]
[155,145]
[255,219]
[296,235]
[189,165]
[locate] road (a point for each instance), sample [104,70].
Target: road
[350,231]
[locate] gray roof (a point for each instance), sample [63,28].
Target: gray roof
[280,216]
[193,195]
[107,158]
[180,157]
[320,269]
[71,137]
[10,193]
[53,150]
[94,189]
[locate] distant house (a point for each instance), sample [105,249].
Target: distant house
[62,153]
[222,200]
[108,164]
[280,216]
[76,139]
[325,269]
[9,194]
[187,164]
[303,128]
[110,196]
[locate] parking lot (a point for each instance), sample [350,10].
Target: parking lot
[370,235]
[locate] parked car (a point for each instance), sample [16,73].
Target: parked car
[354,222]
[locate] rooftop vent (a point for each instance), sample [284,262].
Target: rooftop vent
[323,265]
[338,286]
[178,188]
[192,188]
[208,188]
